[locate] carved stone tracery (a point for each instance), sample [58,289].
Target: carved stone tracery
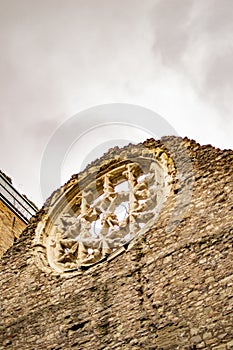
[127,200]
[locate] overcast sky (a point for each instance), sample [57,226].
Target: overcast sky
[59,57]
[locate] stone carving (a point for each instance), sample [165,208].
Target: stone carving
[109,190]
[106,214]
[98,229]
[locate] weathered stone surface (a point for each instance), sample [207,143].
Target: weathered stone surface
[171,289]
[11,226]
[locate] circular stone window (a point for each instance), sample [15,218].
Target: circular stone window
[100,211]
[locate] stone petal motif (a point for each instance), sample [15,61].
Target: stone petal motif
[84,227]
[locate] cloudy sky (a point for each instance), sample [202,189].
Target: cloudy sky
[59,57]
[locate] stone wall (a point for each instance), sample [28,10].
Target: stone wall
[11,226]
[173,289]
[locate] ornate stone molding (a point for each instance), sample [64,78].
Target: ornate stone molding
[103,209]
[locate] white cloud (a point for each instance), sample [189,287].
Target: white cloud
[59,57]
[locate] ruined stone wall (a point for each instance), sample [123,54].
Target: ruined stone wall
[173,289]
[11,226]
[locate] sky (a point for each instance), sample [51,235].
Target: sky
[60,57]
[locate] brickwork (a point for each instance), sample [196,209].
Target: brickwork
[11,226]
[173,289]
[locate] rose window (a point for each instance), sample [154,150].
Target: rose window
[106,215]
